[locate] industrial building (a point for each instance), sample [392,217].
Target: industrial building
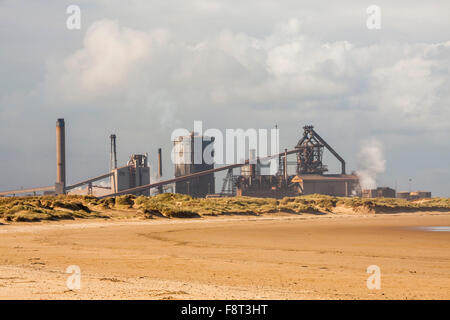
[252,183]
[310,177]
[420,195]
[195,176]
[188,152]
[380,192]
[413,195]
[340,185]
[136,173]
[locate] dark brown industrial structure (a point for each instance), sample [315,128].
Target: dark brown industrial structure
[414,195]
[380,192]
[310,175]
[310,150]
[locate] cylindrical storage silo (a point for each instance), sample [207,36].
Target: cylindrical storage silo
[188,156]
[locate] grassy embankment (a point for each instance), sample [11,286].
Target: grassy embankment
[182,206]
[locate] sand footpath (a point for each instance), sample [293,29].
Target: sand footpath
[275,256]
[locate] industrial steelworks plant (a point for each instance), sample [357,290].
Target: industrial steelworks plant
[198,179]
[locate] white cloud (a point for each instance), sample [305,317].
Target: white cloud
[402,84]
[408,86]
[207,6]
[108,56]
[285,66]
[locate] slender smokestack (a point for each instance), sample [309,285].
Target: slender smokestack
[159,163]
[160,188]
[60,157]
[113,161]
[285,166]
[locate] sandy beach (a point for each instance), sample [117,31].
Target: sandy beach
[275,256]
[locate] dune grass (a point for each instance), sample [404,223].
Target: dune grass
[170,205]
[45,208]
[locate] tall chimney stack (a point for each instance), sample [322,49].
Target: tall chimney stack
[113,161]
[60,184]
[159,163]
[160,188]
[285,167]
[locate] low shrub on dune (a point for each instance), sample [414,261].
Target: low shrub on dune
[171,205]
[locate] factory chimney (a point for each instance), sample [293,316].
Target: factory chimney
[285,167]
[113,161]
[159,163]
[60,184]
[160,188]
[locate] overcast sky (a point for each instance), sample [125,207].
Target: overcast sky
[143,68]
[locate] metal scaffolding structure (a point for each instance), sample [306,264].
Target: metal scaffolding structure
[310,150]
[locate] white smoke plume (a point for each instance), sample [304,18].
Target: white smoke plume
[371,163]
